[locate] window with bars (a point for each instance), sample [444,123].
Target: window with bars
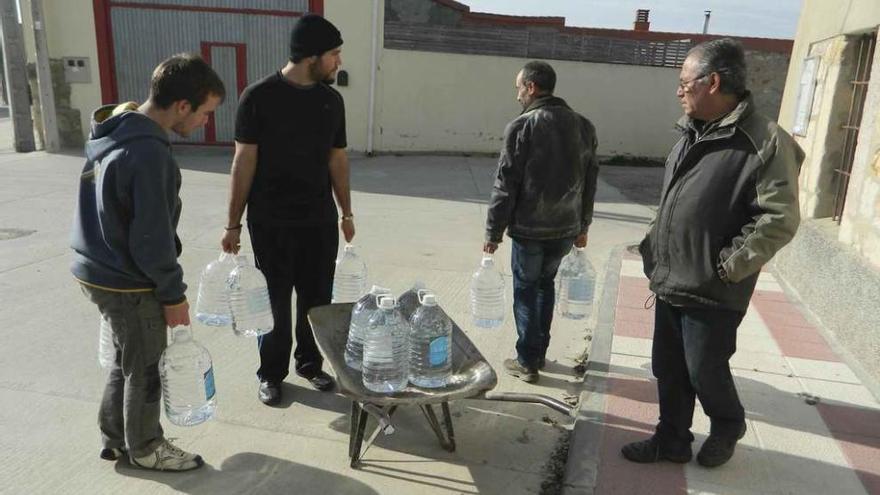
[862,74]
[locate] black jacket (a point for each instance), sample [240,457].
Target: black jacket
[546,180]
[729,203]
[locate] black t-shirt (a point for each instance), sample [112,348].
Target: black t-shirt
[294,128]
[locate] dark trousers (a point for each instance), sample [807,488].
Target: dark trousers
[534,264]
[131,405]
[690,358]
[301,259]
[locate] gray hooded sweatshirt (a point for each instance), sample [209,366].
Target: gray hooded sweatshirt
[124,230]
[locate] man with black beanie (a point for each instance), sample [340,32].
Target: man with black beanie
[289,162]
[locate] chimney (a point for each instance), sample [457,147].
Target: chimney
[642,23]
[706,21]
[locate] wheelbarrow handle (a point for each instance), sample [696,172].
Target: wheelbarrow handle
[555,404]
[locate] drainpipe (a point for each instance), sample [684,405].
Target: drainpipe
[374,69]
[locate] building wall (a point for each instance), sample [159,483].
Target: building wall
[69,33]
[827,30]
[463,102]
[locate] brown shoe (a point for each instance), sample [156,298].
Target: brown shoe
[513,368]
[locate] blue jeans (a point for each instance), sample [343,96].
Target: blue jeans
[534,264]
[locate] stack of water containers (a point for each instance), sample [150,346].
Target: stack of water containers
[575,285]
[487,294]
[392,351]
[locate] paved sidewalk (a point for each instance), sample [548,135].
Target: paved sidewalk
[813,423]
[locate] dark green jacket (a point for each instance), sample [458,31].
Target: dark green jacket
[729,203]
[546,179]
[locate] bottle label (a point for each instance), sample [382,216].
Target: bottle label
[438,351]
[209,384]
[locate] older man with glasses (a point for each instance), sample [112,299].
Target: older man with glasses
[729,203]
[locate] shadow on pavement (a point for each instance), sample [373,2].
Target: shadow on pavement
[252,473]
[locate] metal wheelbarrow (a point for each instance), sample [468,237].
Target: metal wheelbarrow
[472,378]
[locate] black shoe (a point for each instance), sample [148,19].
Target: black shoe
[513,368]
[270,393]
[112,454]
[651,450]
[321,381]
[717,449]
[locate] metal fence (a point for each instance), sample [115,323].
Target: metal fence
[531,43]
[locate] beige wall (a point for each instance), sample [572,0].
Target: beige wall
[70,32]
[823,31]
[447,102]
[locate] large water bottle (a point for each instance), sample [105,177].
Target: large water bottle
[249,300]
[106,349]
[408,302]
[360,318]
[187,380]
[487,294]
[575,285]
[212,306]
[430,344]
[349,282]
[386,349]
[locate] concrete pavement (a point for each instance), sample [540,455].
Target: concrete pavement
[417,218]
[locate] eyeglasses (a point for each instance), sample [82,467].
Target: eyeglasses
[684,85]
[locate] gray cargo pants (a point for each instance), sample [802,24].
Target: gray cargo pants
[131,406]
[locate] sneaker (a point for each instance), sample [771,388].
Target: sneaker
[717,449]
[167,457]
[650,450]
[112,454]
[513,368]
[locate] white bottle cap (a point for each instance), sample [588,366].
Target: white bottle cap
[387,302]
[348,248]
[376,290]
[429,300]
[487,261]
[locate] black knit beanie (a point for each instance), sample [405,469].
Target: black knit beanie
[313,35]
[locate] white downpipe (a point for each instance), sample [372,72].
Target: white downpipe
[374,69]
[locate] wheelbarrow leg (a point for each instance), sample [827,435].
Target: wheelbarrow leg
[435,425]
[447,418]
[356,433]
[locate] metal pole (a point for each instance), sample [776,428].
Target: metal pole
[706,22]
[44,80]
[15,66]
[374,69]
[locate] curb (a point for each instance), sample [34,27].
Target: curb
[582,465]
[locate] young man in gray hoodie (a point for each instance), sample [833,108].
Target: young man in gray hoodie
[126,247]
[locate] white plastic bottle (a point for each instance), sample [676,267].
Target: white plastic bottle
[106,349]
[350,279]
[575,284]
[360,318]
[212,306]
[249,300]
[187,380]
[386,349]
[430,344]
[487,294]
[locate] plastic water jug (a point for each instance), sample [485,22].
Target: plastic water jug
[249,300]
[487,294]
[212,306]
[106,349]
[386,349]
[575,285]
[360,318]
[430,344]
[187,380]
[350,279]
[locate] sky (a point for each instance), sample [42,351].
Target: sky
[758,18]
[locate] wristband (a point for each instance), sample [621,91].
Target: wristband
[234,227]
[347,217]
